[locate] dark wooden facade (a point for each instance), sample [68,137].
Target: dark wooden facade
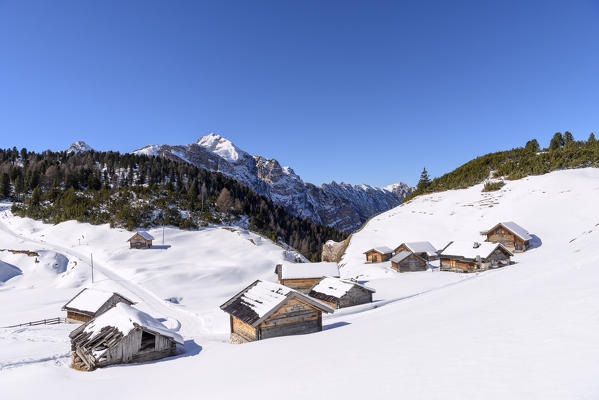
[296,314]
[455,263]
[355,296]
[110,346]
[409,263]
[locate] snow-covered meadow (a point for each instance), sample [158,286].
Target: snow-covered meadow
[525,331]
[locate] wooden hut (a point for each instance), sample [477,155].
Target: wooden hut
[378,254]
[264,310]
[340,293]
[90,303]
[474,257]
[121,335]
[141,240]
[514,237]
[302,276]
[422,249]
[406,261]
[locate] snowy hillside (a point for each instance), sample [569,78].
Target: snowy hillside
[342,206]
[526,331]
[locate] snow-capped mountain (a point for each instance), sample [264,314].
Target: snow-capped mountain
[78,147]
[342,205]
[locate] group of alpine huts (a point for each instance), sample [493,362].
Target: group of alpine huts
[114,331]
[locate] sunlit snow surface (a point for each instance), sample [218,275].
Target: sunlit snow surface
[525,331]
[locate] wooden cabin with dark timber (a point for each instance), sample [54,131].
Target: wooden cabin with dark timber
[302,276]
[121,335]
[141,240]
[340,293]
[474,257]
[514,237]
[422,249]
[378,254]
[264,310]
[90,303]
[406,261]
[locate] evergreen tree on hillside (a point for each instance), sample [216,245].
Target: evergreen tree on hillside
[568,139]
[557,142]
[5,186]
[532,146]
[592,139]
[424,181]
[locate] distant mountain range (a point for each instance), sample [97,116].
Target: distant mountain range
[340,205]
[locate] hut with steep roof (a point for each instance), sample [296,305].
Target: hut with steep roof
[422,249]
[406,261]
[90,303]
[340,293]
[302,276]
[121,335]
[474,257]
[378,254]
[141,240]
[265,309]
[514,237]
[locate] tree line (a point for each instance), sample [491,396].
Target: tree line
[128,190]
[563,152]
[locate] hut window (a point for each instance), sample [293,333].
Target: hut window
[148,341]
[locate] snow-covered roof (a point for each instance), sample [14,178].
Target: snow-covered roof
[467,249]
[336,287]
[309,270]
[144,235]
[256,302]
[421,247]
[381,249]
[515,229]
[401,255]
[90,300]
[125,318]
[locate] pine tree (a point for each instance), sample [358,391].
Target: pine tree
[192,195]
[424,181]
[5,186]
[592,139]
[532,146]
[568,138]
[557,141]
[35,197]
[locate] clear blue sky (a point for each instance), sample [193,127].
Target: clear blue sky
[361,92]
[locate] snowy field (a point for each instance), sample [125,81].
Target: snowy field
[527,331]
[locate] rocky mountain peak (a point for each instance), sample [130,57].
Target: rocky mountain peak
[78,147]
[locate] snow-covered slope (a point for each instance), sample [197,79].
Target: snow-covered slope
[342,206]
[78,147]
[526,331]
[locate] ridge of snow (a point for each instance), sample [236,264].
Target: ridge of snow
[220,146]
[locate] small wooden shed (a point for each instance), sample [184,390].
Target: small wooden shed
[302,276]
[378,254]
[514,237]
[264,310]
[474,257]
[406,261]
[141,240]
[121,335]
[90,303]
[340,293]
[422,249]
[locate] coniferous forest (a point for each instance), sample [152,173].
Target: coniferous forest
[563,152]
[132,191]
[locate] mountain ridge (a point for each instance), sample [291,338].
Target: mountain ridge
[340,205]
